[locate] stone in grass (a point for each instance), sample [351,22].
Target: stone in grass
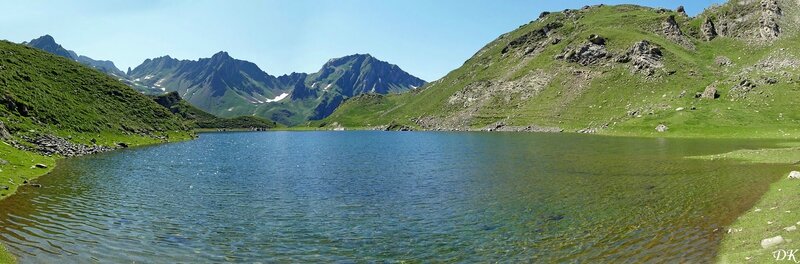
[39,166]
[662,128]
[794,175]
[771,242]
[791,229]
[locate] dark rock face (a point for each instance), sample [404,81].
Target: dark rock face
[708,29]
[327,106]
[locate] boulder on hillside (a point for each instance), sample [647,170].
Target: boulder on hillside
[710,92]
[597,40]
[794,175]
[661,128]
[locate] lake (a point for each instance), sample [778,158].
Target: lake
[388,196]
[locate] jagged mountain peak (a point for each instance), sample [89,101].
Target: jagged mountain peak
[49,44]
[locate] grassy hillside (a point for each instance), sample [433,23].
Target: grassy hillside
[196,118]
[550,73]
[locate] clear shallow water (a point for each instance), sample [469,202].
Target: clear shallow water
[381,196]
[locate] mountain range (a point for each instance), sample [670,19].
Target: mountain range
[49,44]
[732,70]
[229,87]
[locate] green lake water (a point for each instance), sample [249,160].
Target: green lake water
[388,196]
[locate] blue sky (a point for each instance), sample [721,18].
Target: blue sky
[427,38]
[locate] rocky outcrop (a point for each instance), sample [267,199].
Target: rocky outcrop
[673,32]
[741,89]
[534,41]
[590,53]
[671,28]
[723,61]
[4,134]
[708,30]
[770,14]
[644,57]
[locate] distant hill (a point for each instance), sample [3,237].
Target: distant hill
[49,44]
[197,118]
[732,70]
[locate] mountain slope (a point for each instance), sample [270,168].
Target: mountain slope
[49,44]
[616,70]
[197,118]
[228,87]
[217,84]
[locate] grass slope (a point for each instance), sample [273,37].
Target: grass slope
[538,89]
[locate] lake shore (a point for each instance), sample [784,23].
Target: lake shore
[776,214]
[21,167]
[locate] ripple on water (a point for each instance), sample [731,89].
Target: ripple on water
[369,196]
